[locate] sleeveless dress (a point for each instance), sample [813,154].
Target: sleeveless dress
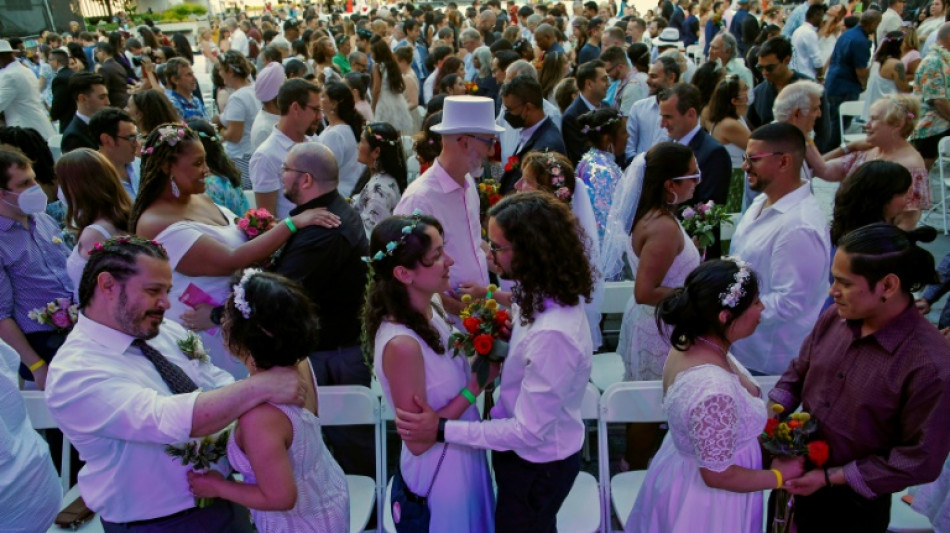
[177,239]
[714,423]
[737,182]
[919,187]
[392,107]
[322,499]
[75,263]
[462,499]
[878,88]
[642,347]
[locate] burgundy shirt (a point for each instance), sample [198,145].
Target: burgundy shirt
[882,401]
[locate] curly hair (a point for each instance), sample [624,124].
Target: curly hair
[392,158]
[155,153]
[234,62]
[281,329]
[541,163]
[386,297]
[428,144]
[861,198]
[93,190]
[665,161]
[549,258]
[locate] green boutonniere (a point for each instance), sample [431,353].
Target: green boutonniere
[191,346]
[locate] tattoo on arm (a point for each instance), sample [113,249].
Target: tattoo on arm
[901,71]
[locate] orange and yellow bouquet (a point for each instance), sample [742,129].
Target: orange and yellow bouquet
[486,333]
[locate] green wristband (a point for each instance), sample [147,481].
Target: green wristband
[290,225]
[468,395]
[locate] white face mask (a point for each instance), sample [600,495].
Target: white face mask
[30,201]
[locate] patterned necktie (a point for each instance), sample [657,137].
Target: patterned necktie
[172,375]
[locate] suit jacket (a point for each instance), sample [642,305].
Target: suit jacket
[546,137]
[574,141]
[116,82]
[77,135]
[64,107]
[716,166]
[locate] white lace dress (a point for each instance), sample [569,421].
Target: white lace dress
[392,107]
[322,500]
[377,200]
[642,347]
[714,423]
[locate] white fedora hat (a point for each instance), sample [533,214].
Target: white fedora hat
[5,46]
[468,114]
[669,37]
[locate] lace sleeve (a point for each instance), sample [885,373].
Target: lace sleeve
[712,431]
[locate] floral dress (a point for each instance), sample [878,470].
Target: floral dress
[377,200]
[919,188]
[932,82]
[599,171]
[224,193]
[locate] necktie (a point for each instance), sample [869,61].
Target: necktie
[173,376]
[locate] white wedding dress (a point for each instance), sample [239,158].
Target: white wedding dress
[392,107]
[641,345]
[714,423]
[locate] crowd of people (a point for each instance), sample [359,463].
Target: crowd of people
[412,160]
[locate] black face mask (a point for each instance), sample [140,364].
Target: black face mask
[515,121]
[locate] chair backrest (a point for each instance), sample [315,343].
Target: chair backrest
[726,231]
[37,410]
[590,406]
[616,295]
[348,405]
[851,109]
[251,199]
[695,52]
[944,148]
[633,401]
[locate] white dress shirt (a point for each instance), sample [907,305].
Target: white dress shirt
[890,21]
[21,102]
[239,42]
[806,50]
[264,169]
[788,246]
[538,414]
[428,86]
[737,66]
[510,138]
[114,407]
[643,126]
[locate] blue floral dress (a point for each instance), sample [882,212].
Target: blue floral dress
[599,171]
[223,193]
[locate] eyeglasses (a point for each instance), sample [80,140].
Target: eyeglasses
[131,138]
[750,159]
[767,68]
[487,142]
[285,168]
[494,248]
[698,176]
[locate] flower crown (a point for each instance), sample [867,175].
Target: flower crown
[213,138]
[169,135]
[734,293]
[240,298]
[125,239]
[557,179]
[391,246]
[380,138]
[603,126]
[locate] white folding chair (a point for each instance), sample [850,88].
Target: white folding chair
[904,519]
[850,109]
[412,164]
[607,368]
[55,142]
[726,231]
[251,199]
[346,405]
[943,158]
[695,52]
[575,515]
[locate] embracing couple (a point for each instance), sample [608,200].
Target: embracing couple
[535,431]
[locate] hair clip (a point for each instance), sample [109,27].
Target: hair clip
[240,298]
[391,246]
[734,293]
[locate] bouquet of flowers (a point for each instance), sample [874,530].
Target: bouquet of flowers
[489,193]
[471,87]
[200,455]
[791,437]
[700,220]
[256,221]
[485,335]
[61,313]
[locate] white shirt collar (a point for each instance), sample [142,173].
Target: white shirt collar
[82,117]
[526,133]
[111,339]
[587,102]
[689,136]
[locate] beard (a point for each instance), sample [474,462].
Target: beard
[135,321]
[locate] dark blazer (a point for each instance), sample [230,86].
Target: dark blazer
[546,137]
[716,166]
[63,107]
[574,140]
[77,135]
[116,82]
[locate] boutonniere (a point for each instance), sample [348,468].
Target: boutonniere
[192,348]
[514,163]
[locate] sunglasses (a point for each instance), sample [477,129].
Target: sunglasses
[767,68]
[698,176]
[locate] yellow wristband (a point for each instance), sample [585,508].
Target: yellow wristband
[37,365]
[778,477]
[468,395]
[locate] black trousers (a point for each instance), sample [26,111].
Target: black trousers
[839,509]
[531,494]
[220,517]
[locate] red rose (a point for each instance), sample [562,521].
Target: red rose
[501,317]
[508,167]
[494,199]
[818,452]
[471,324]
[770,426]
[792,424]
[483,344]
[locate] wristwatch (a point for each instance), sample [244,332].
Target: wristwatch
[440,435]
[216,315]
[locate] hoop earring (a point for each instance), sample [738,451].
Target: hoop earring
[675,199]
[175,191]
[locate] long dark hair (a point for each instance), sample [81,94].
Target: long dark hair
[861,198]
[155,152]
[218,161]
[386,296]
[693,309]
[154,109]
[451,65]
[549,256]
[665,161]
[183,47]
[383,56]
[392,158]
[706,79]
[889,47]
[599,123]
[92,189]
[720,105]
[340,93]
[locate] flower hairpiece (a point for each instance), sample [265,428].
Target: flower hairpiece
[734,293]
[391,246]
[903,106]
[603,126]
[169,135]
[380,138]
[125,239]
[212,138]
[240,298]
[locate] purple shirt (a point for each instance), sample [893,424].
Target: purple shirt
[882,401]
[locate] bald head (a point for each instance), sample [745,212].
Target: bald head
[870,20]
[943,36]
[312,171]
